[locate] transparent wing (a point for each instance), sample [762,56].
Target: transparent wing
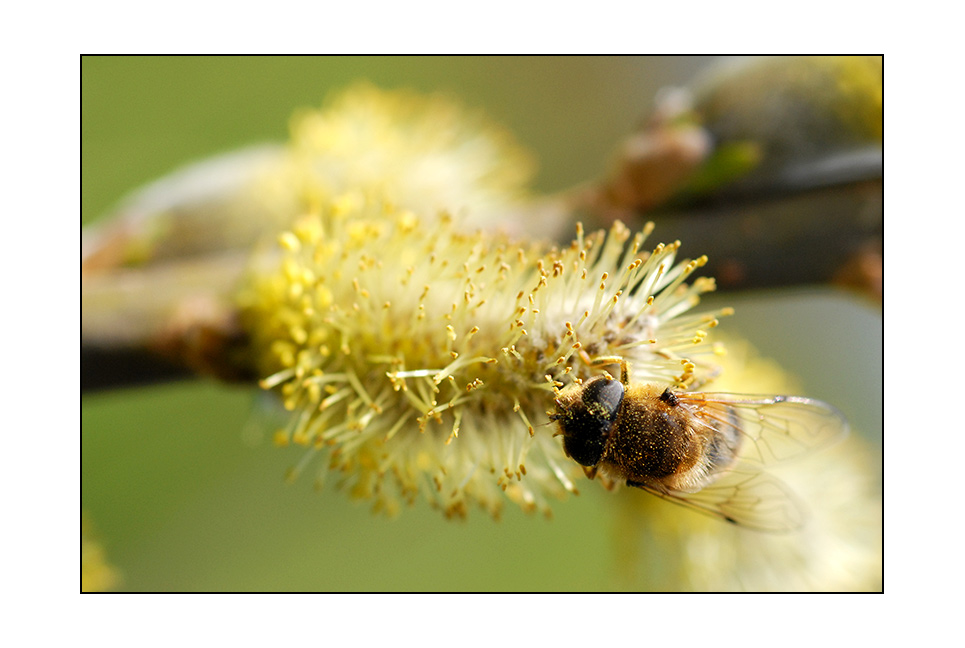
[761,430]
[747,498]
[772,428]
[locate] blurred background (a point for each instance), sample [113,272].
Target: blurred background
[180,481]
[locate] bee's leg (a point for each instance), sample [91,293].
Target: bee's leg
[591,472]
[602,361]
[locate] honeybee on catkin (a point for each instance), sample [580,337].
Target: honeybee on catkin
[705,451]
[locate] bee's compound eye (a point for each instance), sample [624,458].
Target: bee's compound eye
[586,450]
[587,424]
[603,397]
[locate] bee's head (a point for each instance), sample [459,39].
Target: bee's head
[586,413]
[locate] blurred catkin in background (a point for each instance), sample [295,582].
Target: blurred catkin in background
[333,167]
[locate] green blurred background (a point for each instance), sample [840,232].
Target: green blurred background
[181,482]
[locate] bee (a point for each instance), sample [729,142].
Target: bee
[705,451]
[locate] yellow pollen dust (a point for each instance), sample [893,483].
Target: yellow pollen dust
[410,353]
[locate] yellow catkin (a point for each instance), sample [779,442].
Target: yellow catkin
[417,353]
